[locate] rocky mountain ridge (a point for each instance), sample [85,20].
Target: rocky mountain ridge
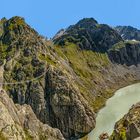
[128,32]
[90,35]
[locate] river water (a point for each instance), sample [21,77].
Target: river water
[116,107]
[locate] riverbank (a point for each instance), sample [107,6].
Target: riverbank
[116,107]
[111,93]
[125,85]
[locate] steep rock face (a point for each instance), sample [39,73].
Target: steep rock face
[67,108]
[128,32]
[128,127]
[125,53]
[90,35]
[20,123]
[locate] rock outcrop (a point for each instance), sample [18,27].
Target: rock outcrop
[128,127]
[19,122]
[67,108]
[127,52]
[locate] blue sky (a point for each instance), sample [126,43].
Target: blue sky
[48,16]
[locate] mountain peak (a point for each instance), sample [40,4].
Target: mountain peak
[14,28]
[15,22]
[88,34]
[87,22]
[16,19]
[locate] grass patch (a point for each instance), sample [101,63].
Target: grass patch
[47,59]
[122,44]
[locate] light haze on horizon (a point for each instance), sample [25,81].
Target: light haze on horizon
[49,16]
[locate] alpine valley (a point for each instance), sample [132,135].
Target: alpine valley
[52,89]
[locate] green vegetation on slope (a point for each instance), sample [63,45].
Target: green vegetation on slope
[87,65]
[2,137]
[119,45]
[122,44]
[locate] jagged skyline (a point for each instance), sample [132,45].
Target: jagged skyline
[47,17]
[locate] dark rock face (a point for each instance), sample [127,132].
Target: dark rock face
[67,108]
[128,32]
[90,35]
[129,54]
[128,127]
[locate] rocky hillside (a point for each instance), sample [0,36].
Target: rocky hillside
[128,127]
[19,122]
[125,52]
[128,32]
[32,74]
[64,81]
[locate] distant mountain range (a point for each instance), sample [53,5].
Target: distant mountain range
[128,32]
